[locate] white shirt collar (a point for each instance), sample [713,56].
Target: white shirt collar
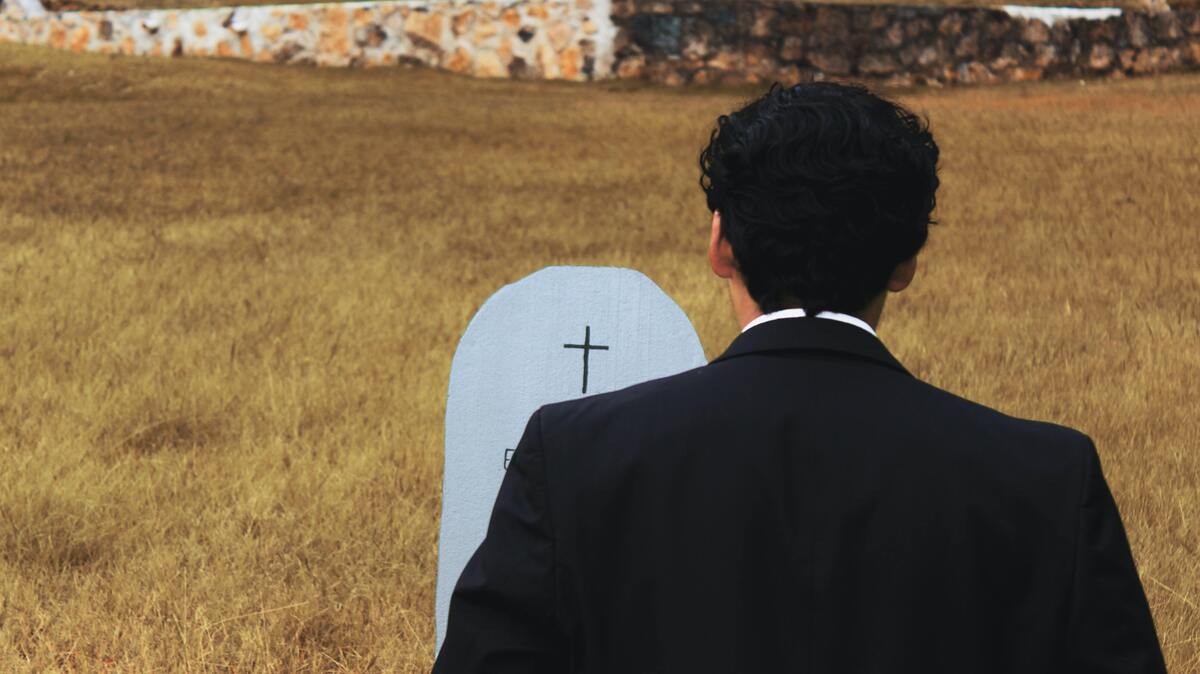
[798,313]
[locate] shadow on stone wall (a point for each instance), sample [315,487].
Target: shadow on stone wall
[733,41]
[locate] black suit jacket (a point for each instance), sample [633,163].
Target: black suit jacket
[801,504]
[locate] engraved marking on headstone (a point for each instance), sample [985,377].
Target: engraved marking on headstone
[587,346]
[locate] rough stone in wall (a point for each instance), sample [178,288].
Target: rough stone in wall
[21,9]
[552,39]
[735,41]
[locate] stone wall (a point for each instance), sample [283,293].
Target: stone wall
[668,41]
[555,39]
[678,41]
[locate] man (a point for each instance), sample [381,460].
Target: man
[803,503]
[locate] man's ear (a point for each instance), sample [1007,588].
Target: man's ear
[720,252]
[902,275]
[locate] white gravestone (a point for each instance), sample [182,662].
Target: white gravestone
[560,333]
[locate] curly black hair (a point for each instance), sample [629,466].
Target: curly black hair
[822,190]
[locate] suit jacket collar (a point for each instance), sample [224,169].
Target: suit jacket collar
[811,333]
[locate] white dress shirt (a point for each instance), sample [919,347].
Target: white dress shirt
[798,313]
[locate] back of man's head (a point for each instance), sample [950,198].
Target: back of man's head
[822,189]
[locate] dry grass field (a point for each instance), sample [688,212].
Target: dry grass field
[230,293]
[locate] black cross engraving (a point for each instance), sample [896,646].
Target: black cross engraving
[508,457]
[587,346]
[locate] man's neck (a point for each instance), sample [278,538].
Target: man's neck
[746,310]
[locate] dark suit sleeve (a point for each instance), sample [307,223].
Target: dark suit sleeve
[1111,629]
[502,611]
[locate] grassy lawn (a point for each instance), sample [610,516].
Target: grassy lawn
[230,293]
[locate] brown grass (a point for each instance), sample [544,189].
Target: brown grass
[230,293]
